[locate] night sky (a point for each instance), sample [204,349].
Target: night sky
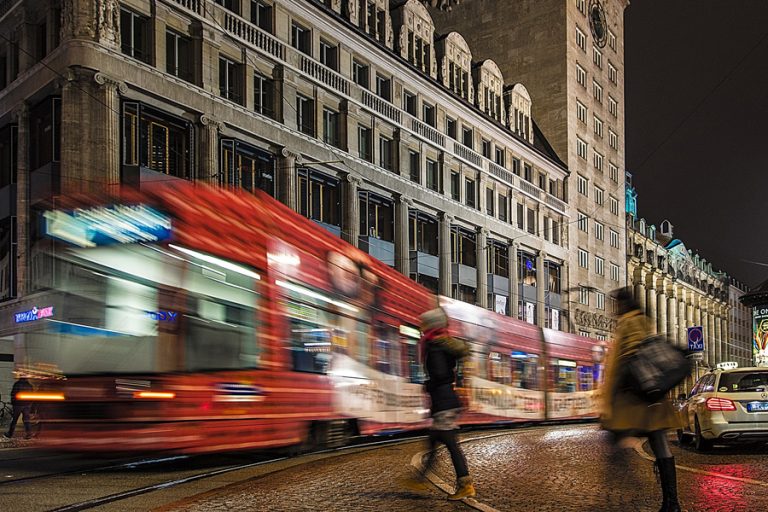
[697,125]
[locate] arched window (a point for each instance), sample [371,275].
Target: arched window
[416,36]
[456,65]
[519,115]
[490,85]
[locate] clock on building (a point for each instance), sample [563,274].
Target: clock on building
[597,23]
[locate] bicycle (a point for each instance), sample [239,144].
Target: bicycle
[6,413]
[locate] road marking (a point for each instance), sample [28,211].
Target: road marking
[639,449]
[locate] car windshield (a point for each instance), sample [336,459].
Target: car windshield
[743,381]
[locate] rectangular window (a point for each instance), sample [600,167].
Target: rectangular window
[179,60]
[261,15]
[329,55]
[531,221]
[450,128]
[597,91]
[599,193]
[614,272]
[584,297]
[433,175]
[263,95]
[600,299]
[467,137]
[613,140]
[582,185]
[599,266]
[583,258]
[598,127]
[543,182]
[301,38]
[520,216]
[503,215]
[470,193]
[385,153]
[455,186]
[528,173]
[428,114]
[597,57]
[516,166]
[583,222]
[331,127]
[383,87]
[489,200]
[414,162]
[555,232]
[614,239]
[614,205]
[500,157]
[614,172]
[613,106]
[581,39]
[409,103]
[612,40]
[134,35]
[599,231]
[581,76]
[305,114]
[364,143]
[230,80]
[581,148]
[360,73]
[157,141]
[581,112]
[244,166]
[613,74]
[377,216]
[319,197]
[597,161]
[231,5]
[581,5]
[486,148]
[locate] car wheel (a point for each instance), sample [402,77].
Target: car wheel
[701,444]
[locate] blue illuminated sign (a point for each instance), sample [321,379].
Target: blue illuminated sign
[106,225]
[33,314]
[696,339]
[163,316]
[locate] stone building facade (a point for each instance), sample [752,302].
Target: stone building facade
[356,113]
[739,340]
[570,56]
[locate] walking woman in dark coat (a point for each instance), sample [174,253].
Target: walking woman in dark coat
[626,414]
[441,355]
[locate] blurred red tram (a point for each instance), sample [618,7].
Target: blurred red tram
[193,319]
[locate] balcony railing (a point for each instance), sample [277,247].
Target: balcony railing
[501,173]
[324,74]
[248,32]
[195,6]
[467,154]
[382,106]
[555,203]
[530,189]
[428,132]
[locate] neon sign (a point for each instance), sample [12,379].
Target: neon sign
[165,316]
[106,225]
[33,314]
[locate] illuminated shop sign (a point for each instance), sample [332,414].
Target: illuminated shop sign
[106,225]
[33,314]
[760,334]
[163,316]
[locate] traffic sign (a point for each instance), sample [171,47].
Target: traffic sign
[696,339]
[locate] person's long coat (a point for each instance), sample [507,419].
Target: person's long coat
[622,410]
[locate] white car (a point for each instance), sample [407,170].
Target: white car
[726,406]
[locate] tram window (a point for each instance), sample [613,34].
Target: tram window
[220,335]
[564,377]
[586,378]
[409,339]
[499,368]
[524,370]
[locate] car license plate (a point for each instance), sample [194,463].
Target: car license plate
[757,406]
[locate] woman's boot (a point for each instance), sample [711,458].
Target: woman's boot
[668,476]
[464,489]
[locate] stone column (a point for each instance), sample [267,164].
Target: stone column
[482,184]
[22,199]
[285,79]
[725,334]
[640,291]
[672,329]
[682,316]
[350,119]
[541,284]
[481,251]
[106,130]
[445,254]
[650,306]
[514,280]
[712,335]
[162,13]
[705,330]
[76,169]
[351,221]
[287,181]
[661,309]
[210,171]
[402,238]
[446,162]
[402,158]
[718,334]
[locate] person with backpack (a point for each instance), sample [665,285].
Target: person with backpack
[442,353]
[624,411]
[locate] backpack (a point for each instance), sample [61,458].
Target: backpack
[656,367]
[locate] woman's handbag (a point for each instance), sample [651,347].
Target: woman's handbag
[656,367]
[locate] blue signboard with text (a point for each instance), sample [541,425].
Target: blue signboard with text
[696,339]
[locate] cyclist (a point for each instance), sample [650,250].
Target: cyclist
[20,408]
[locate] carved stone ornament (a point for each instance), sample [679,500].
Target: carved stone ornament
[594,320]
[406,201]
[354,180]
[443,5]
[206,120]
[287,153]
[92,19]
[108,81]
[108,27]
